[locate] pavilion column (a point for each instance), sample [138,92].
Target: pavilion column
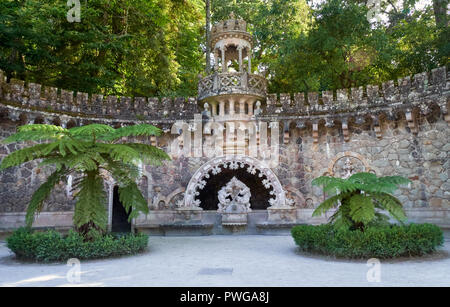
[249,61]
[250,108]
[231,104]
[241,68]
[216,60]
[224,64]
[221,108]
[242,106]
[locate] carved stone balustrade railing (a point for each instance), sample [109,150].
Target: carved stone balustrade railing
[232,83]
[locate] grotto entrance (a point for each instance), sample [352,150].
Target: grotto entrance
[120,221]
[260,195]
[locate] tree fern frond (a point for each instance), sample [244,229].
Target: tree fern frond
[42,128]
[42,194]
[33,135]
[120,152]
[134,130]
[91,131]
[361,208]
[149,154]
[391,204]
[91,200]
[397,180]
[332,185]
[25,155]
[363,178]
[328,204]
[132,200]
[123,173]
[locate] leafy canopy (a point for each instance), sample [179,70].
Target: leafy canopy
[91,152]
[359,199]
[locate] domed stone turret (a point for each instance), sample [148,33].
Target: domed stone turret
[232,93]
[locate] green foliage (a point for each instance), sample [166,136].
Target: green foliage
[87,151]
[51,246]
[126,47]
[379,242]
[155,48]
[359,198]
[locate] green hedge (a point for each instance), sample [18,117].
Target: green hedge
[51,246]
[378,242]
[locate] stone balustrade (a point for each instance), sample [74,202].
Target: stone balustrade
[232,83]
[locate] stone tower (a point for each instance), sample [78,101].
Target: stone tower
[232,93]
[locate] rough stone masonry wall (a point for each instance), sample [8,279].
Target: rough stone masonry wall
[390,129]
[17,184]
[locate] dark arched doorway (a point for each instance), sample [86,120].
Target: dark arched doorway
[120,221]
[260,195]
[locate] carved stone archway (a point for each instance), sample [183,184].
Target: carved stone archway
[213,167]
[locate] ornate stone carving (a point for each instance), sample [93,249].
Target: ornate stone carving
[256,167]
[232,83]
[348,163]
[234,197]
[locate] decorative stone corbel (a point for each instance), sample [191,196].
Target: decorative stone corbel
[410,118]
[286,136]
[329,122]
[377,127]
[442,102]
[300,124]
[315,127]
[345,131]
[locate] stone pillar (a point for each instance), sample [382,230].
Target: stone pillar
[240,59]
[231,104]
[250,108]
[249,61]
[216,60]
[222,108]
[224,64]
[242,106]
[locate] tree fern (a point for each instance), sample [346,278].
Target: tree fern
[41,195]
[358,198]
[88,150]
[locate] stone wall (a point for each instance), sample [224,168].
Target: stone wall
[396,128]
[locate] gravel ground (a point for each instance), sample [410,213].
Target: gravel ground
[228,261]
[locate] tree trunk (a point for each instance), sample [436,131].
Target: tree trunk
[208,36]
[440,12]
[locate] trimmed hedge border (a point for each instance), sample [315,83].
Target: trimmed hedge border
[375,242]
[51,246]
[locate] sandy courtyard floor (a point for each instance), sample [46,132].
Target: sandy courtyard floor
[228,261]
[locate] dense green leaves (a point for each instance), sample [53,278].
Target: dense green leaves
[89,151]
[156,47]
[51,246]
[379,242]
[128,47]
[360,198]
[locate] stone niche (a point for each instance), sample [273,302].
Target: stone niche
[234,203]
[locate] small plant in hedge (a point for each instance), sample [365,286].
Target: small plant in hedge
[380,242]
[51,246]
[358,198]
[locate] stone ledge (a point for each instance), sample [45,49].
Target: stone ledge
[268,225]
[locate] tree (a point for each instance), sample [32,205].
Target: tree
[125,47]
[208,35]
[92,152]
[359,198]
